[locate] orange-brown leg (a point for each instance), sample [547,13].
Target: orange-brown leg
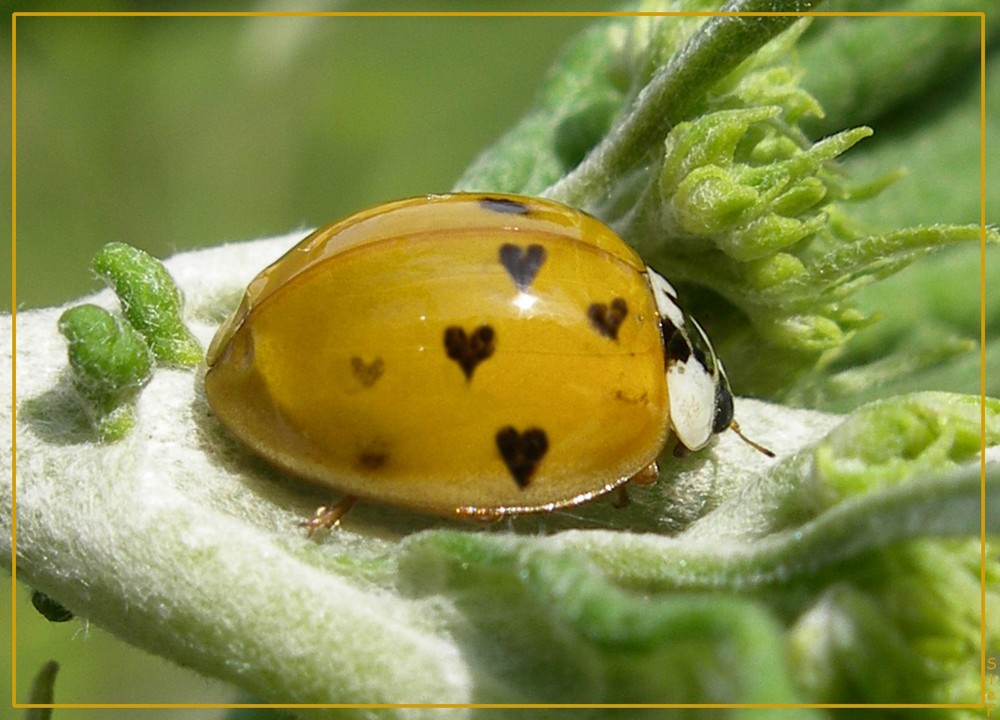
[621,497]
[646,476]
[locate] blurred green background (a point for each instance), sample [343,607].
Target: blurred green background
[175,133]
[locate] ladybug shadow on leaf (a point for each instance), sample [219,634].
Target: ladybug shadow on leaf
[284,498]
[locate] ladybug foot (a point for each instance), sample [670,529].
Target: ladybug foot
[327,517]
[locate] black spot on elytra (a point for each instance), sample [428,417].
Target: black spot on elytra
[372,459]
[367,373]
[607,319]
[522,264]
[504,205]
[522,452]
[469,350]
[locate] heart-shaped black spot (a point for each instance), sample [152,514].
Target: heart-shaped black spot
[522,264]
[607,319]
[522,451]
[367,373]
[469,350]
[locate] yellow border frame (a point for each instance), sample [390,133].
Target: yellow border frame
[982,352]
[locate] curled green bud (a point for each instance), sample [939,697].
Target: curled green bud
[800,197]
[714,188]
[709,140]
[773,271]
[812,332]
[708,201]
[111,363]
[767,235]
[779,86]
[891,441]
[150,301]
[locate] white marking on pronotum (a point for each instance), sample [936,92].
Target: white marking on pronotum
[701,399]
[666,298]
[692,387]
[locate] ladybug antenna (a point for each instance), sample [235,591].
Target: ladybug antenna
[735,427]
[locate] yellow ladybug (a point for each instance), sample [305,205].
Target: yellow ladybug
[470,355]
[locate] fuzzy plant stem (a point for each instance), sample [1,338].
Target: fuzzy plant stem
[722,44]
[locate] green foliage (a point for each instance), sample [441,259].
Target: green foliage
[151,302]
[803,560]
[112,359]
[110,362]
[892,441]
[903,623]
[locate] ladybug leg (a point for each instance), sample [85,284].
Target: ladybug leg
[621,497]
[328,516]
[646,476]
